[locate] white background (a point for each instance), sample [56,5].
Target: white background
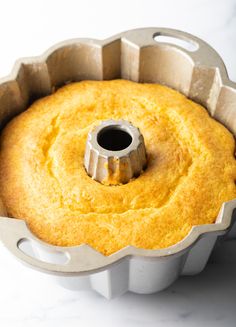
[29,27]
[28,298]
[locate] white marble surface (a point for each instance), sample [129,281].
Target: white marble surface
[28,298]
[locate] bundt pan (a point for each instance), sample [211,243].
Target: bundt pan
[138,55]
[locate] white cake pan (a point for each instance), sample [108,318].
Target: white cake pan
[198,72]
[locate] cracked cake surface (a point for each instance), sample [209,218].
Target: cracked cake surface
[191,167]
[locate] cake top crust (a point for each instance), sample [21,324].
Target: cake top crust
[191,168]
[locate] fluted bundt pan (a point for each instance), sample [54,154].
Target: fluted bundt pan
[198,72]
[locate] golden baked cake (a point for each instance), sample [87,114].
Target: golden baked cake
[191,168]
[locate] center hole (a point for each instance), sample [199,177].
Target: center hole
[114,138]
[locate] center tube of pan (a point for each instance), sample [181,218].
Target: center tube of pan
[115,152]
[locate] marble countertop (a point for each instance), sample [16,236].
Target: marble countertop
[29,298]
